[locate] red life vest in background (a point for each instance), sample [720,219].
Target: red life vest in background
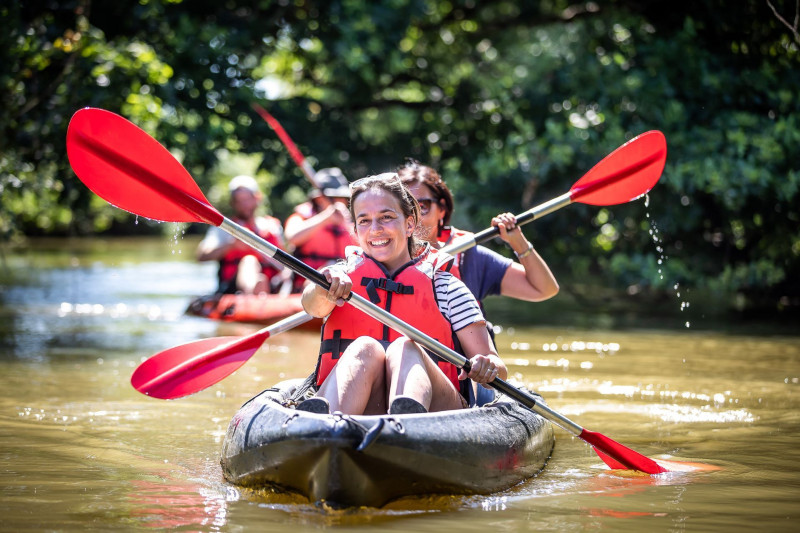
[449,235]
[268,228]
[324,247]
[409,295]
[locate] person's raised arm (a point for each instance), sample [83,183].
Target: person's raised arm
[298,230]
[530,279]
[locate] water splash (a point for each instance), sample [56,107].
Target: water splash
[180,231]
[662,258]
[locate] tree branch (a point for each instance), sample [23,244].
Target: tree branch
[792,27]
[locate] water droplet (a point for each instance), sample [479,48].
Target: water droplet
[687,323]
[136,221]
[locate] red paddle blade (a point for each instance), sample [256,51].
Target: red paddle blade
[633,169]
[128,168]
[294,151]
[194,366]
[620,457]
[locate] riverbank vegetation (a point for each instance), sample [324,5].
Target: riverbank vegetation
[512,101]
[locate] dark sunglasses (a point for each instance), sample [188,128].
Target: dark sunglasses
[425,205]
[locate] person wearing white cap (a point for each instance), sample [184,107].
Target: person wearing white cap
[320,229]
[242,269]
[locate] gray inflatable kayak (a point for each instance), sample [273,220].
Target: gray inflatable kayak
[370,460]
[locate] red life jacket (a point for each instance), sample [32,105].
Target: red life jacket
[229,264]
[409,295]
[449,235]
[325,246]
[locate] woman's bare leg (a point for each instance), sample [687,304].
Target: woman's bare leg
[357,385]
[411,372]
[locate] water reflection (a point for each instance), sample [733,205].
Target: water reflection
[168,504]
[80,448]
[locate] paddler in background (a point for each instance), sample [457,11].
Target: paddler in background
[365,367]
[241,269]
[319,229]
[483,271]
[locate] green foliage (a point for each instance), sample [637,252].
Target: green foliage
[512,101]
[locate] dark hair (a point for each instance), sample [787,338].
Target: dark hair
[415,173]
[390,183]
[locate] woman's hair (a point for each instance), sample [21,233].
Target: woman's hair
[390,182]
[415,173]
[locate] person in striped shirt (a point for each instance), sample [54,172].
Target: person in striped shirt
[364,368]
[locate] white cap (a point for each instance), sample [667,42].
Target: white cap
[244,182]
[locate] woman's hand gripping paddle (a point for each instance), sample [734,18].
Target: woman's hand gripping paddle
[131,170]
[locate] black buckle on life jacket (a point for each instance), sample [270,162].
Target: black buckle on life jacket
[373,284]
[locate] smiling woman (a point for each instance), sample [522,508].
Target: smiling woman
[383,228]
[366,368]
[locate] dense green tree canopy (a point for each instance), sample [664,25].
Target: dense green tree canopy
[511,101]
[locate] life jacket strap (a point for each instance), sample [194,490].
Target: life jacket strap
[388,285]
[335,345]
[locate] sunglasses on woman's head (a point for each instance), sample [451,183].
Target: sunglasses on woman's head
[363,182]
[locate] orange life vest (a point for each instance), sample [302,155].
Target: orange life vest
[409,295]
[325,246]
[229,264]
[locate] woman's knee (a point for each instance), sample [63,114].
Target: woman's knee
[366,350]
[403,349]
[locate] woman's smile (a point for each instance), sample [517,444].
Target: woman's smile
[382,229]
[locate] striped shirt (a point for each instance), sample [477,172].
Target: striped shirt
[456,302]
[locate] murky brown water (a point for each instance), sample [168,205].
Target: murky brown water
[80,449]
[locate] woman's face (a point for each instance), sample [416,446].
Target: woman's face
[431,212]
[382,228]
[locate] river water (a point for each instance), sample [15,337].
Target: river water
[80,449]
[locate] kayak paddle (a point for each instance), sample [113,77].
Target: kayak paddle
[627,173]
[131,170]
[294,151]
[194,366]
